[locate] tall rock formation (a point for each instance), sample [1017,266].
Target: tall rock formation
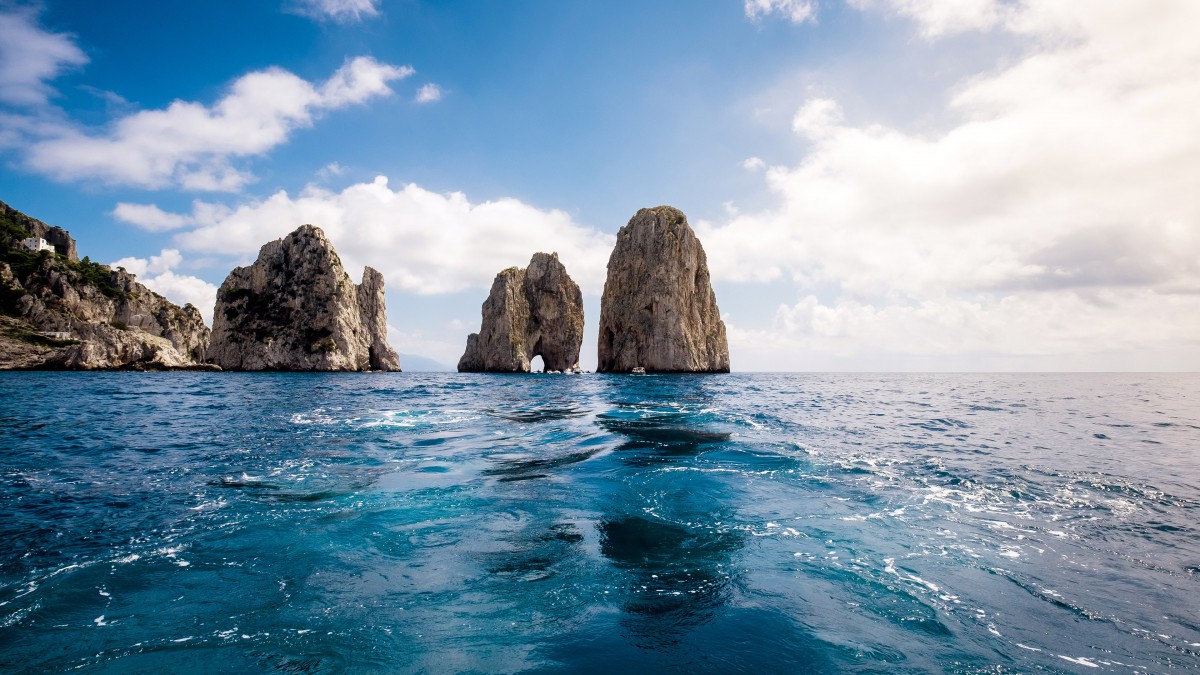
[296,308]
[536,311]
[658,311]
[93,317]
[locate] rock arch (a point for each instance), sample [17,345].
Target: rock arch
[535,311]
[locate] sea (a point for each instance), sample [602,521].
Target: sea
[446,523]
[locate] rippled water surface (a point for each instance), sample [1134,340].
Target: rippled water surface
[439,523]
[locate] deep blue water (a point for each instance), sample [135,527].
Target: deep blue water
[181,522]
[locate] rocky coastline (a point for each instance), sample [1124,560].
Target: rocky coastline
[296,308]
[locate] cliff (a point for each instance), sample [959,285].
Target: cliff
[296,308]
[101,318]
[658,310]
[536,311]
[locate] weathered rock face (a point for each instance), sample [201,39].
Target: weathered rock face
[121,323]
[536,311]
[658,311]
[104,345]
[296,308]
[64,243]
[373,306]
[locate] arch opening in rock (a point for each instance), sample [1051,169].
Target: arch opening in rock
[531,312]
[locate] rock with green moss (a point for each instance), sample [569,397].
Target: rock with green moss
[296,309]
[658,310]
[57,294]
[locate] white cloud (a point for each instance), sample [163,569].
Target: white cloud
[148,217]
[1057,213]
[158,274]
[191,145]
[330,170]
[945,17]
[342,11]
[429,93]
[30,57]
[817,118]
[422,241]
[1057,331]
[795,11]
[753,164]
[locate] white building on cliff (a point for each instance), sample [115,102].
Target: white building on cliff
[37,244]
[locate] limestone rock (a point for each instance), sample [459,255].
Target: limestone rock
[658,310]
[21,348]
[373,306]
[64,243]
[296,308]
[119,321]
[105,347]
[536,311]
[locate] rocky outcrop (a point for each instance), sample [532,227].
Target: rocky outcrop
[117,322]
[659,311]
[62,303]
[105,347]
[536,311]
[296,308]
[373,307]
[64,243]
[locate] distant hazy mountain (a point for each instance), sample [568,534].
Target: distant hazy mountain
[420,364]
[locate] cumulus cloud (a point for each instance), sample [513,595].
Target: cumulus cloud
[1057,212]
[795,11]
[148,217]
[424,242]
[192,146]
[158,274]
[341,11]
[30,57]
[945,17]
[1055,331]
[429,93]
[817,118]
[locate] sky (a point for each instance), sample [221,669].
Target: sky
[879,185]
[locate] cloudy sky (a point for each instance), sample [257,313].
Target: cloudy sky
[879,184]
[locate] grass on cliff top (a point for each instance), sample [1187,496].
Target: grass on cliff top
[11,233]
[23,262]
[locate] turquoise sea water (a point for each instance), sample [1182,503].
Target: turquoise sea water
[181,522]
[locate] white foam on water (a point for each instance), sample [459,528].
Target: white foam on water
[99,621]
[1079,661]
[210,505]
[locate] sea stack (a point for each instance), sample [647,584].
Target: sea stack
[536,311]
[297,309]
[658,311]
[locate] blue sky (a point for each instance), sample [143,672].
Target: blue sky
[879,184]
